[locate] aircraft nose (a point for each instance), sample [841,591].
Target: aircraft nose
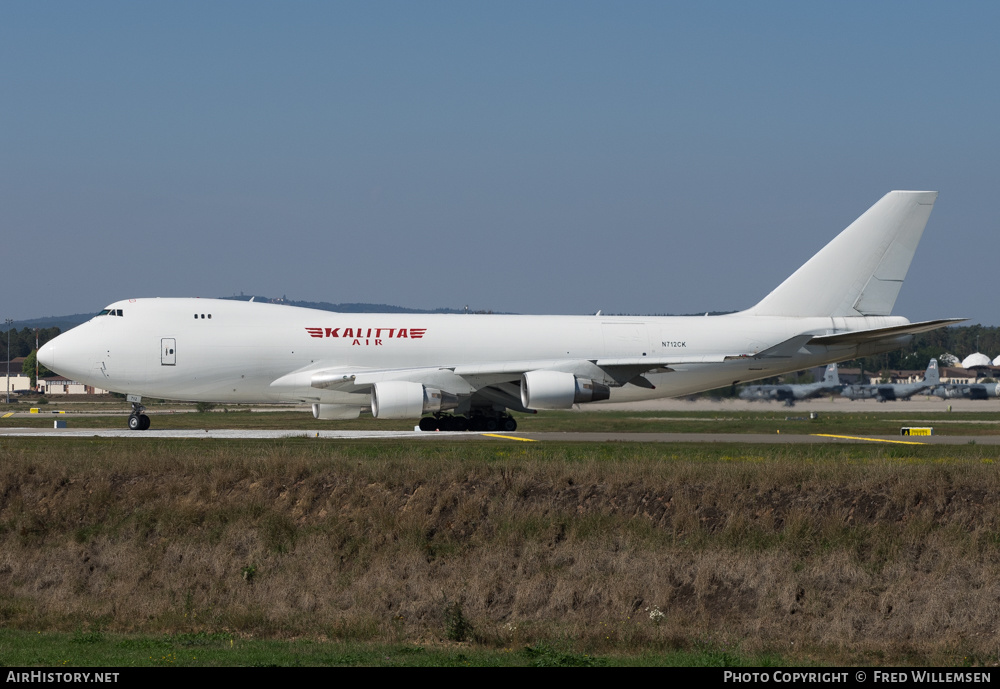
[70,355]
[47,354]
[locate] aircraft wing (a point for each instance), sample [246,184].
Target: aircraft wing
[478,378]
[500,380]
[346,379]
[497,382]
[468,378]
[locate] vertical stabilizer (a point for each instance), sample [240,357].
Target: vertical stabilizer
[860,271]
[932,375]
[831,377]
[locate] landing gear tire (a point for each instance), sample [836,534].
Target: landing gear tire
[478,423]
[138,422]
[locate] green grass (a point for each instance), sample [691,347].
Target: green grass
[97,649]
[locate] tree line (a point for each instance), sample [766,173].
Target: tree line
[22,343]
[960,341]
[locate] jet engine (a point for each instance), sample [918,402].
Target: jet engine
[558,390]
[336,411]
[401,399]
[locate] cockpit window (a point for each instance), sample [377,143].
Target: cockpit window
[111,312]
[104,312]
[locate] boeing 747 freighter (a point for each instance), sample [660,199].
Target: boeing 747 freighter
[465,372]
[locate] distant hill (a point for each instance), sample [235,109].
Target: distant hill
[64,323]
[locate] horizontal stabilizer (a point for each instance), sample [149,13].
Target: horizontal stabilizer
[865,336]
[786,349]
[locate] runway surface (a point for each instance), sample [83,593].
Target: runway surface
[583,437]
[734,406]
[989,408]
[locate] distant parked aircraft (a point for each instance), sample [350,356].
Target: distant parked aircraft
[971,391]
[887,392]
[790,393]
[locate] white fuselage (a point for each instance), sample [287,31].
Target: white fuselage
[231,351]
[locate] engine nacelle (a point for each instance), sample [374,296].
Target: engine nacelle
[559,390]
[401,399]
[330,412]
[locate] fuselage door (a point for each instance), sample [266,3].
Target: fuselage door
[168,351]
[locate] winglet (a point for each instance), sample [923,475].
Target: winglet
[860,271]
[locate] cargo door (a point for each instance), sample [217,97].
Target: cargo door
[168,351]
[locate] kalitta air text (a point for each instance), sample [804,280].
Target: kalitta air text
[368,336]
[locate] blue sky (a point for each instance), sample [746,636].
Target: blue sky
[533,157]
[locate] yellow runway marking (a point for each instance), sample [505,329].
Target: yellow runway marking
[510,437]
[872,440]
[8,415]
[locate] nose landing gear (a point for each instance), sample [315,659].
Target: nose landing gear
[138,421]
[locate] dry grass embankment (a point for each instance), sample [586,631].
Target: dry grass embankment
[841,548]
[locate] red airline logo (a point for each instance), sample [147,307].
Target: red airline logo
[369,335]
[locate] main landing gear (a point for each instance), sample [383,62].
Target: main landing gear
[138,421]
[477,422]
